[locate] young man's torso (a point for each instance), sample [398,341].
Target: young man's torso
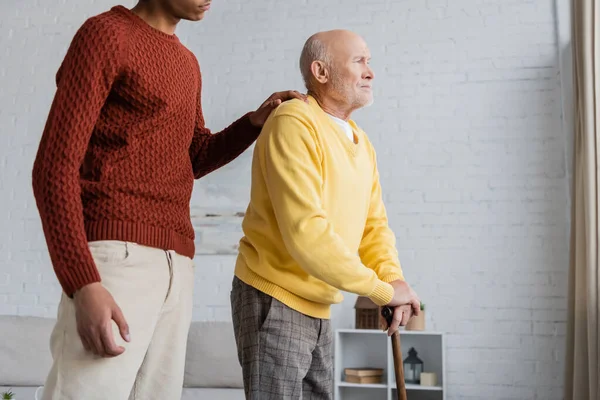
[136,177]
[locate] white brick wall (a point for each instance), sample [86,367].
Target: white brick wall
[467,122]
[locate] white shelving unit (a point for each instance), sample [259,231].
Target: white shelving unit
[362,348]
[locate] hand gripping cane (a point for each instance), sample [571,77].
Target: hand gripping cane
[388,313]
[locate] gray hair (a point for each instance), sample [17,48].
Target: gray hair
[314,50]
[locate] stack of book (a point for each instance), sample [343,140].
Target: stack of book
[363,375]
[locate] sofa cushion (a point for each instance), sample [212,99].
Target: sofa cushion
[212,394]
[25,357]
[211,359]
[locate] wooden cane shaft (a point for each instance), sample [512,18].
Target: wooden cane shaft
[398,367]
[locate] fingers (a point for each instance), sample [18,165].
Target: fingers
[259,116]
[267,107]
[95,311]
[396,320]
[95,342]
[121,323]
[402,315]
[84,340]
[108,342]
[92,341]
[406,314]
[277,98]
[288,95]
[294,94]
[416,306]
[100,340]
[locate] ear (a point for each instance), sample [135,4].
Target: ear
[319,71]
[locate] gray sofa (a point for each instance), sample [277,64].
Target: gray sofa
[212,370]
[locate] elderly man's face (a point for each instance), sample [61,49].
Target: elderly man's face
[351,75]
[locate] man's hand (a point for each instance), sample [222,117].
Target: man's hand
[258,117]
[95,309]
[402,314]
[404,295]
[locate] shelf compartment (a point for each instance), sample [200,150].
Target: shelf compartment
[368,351]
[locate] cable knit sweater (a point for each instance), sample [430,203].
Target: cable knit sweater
[123,142]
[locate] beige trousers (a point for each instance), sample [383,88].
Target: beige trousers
[154,290]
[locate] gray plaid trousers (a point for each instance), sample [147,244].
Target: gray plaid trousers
[284,354]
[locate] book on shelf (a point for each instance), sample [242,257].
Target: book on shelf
[363,379]
[363,375]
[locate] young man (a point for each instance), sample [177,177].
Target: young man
[316,224]
[113,176]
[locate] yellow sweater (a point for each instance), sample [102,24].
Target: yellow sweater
[316,223]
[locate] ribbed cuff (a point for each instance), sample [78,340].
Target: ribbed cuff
[73,279]
[392,277]
[382,294]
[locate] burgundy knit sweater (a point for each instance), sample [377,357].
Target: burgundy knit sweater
[124,139]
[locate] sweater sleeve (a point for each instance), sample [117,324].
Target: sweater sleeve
[378,245]
[210,151]
[290,160]
[84,80]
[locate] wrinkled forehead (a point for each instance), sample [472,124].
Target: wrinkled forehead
[349,48]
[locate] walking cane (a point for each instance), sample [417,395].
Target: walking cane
[388,313]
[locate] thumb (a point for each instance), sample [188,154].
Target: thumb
[121,323]
[416,306]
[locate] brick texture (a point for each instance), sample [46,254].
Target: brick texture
[471,146]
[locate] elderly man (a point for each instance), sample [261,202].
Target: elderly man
[316,225]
